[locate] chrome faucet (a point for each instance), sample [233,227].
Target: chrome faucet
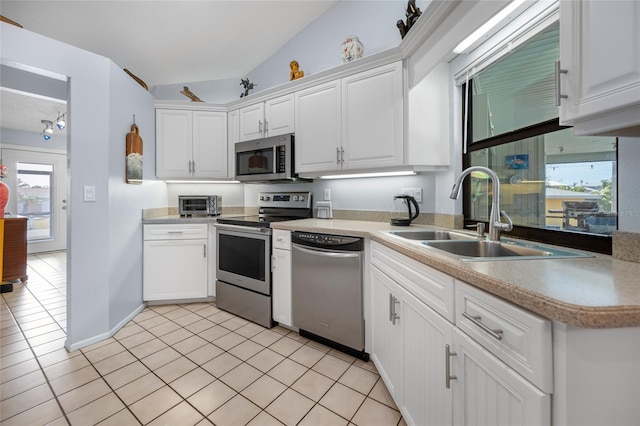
[495,223]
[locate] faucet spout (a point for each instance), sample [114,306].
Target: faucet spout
[495,223]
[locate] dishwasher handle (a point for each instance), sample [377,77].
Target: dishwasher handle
[326,253]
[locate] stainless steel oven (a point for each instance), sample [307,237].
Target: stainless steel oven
[243,263]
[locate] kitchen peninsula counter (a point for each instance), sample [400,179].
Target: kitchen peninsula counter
[591,292]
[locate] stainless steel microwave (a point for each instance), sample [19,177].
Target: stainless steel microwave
[266,160]
[189,205]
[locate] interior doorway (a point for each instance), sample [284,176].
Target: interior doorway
[38,184]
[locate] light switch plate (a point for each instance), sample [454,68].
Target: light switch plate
[414,192]
[327,194]
[89,193]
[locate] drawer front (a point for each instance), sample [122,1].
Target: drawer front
[175,232]
[430,286]
[518,337]
[281,239]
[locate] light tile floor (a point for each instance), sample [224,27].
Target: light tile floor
[190,364]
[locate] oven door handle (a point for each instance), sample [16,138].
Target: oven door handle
[246,229]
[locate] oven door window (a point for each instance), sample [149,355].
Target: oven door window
[242,256]
[257,162]
[195,204]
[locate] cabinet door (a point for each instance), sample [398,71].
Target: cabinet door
[372,126]
[281,269]
[278,116]
[175,269]
[426,399]
[386,332]
[600,49]
[317,123]
[233,136]
[487,391]
[211,260]
[173,143]
[209,144]
[252,122]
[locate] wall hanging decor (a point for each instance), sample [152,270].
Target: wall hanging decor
[133,166]
[295,72]
[189,94]
[352,49]
[244,82]
[412,13]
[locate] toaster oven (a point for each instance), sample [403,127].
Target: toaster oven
[209,205]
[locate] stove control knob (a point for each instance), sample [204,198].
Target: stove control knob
[267,198]
[295,198]
[262,198]
[301,198]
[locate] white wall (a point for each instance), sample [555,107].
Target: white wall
[91,226]
[126,201]
[21,137]
[316,48]
[629,184]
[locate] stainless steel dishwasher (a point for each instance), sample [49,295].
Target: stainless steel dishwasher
[327,290]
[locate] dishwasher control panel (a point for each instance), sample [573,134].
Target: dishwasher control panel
[336,242]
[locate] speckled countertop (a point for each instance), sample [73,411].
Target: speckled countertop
[593,292]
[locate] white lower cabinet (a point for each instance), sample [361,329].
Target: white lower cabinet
[281,277]
[175,262]
[435,372]
[487,392]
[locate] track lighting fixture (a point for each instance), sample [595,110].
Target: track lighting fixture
[48,129]
[60,122]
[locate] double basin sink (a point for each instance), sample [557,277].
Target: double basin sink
[469,247]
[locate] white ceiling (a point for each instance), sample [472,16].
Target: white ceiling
[160,41]
[169,41]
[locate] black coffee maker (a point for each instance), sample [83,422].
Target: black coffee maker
[402,214]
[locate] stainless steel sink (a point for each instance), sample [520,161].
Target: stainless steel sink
[501,250]
[432,235]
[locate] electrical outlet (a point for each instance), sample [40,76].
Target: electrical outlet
[414,192]
[89,193]
[327,194]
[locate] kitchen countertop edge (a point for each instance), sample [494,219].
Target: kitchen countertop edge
[505,281]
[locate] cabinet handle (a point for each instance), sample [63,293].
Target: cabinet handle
[448,377]
[194,166]
[260,126]
[189,166]
[205,250]
[266,127]
[393,316]
[476,319]
[337,155]
[273,263]
[559,95]
[174,232]
[342,155]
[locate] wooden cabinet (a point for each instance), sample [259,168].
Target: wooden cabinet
[191,144]
[281,277]
[273,117]
[355,123]
[175,262]
[600,51]
[14,251]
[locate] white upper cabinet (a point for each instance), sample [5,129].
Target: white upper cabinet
[273,117]
[318,132]
[600,51]
[355,123]
[372,133]
[191,144]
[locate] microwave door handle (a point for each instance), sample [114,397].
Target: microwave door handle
[275,159]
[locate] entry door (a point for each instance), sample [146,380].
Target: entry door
[38,184]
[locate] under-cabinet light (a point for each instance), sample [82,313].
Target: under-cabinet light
[201,181]
[368,175]
[475,36]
